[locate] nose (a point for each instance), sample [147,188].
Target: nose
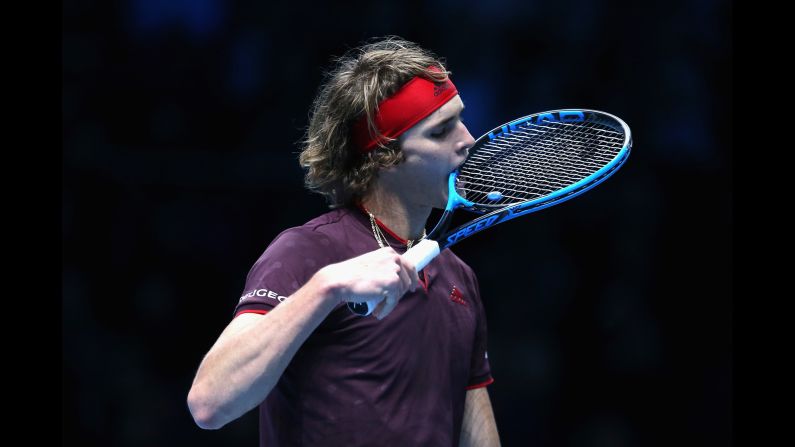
[465,141]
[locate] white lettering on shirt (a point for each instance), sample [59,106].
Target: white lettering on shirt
[265,293]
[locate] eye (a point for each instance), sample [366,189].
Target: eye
[440,133]
[444,130]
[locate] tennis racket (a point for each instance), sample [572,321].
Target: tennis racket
[524,166]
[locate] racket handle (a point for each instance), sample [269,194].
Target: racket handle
[364,308]
[419,255]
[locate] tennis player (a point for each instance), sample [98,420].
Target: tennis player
[385,131]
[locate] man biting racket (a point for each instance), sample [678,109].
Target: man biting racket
[385,132]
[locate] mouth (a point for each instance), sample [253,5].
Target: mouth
[465,154]
[460,187]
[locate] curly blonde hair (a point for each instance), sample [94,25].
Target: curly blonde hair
[356,84]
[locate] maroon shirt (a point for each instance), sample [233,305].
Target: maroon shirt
[358,381]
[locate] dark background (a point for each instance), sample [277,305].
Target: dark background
[610,316]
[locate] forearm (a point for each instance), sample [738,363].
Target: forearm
[242,368]
[479,428]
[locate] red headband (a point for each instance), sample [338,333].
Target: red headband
[396,114]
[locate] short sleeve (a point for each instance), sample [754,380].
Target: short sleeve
[286,265]
[480,370]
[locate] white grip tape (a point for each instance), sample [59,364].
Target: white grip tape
[419,255]
[370,307]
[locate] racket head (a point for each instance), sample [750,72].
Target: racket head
[540,158]
[531,163]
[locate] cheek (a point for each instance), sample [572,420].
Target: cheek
[429,159]
[431,154]
[433,166]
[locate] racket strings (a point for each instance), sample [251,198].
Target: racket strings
[543,151]
[537,160]
[534,166]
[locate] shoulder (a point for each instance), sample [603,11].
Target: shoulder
[318,241]
[322,231]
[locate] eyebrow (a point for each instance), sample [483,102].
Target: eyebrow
[447,120]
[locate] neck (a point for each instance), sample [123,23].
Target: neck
[404,219]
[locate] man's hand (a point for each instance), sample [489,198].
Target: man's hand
[381,275]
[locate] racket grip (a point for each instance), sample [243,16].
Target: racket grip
[422,254]
[364,308]
[419,255]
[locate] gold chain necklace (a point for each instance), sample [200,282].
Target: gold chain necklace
[380,237]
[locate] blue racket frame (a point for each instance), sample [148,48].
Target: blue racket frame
[503,213]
